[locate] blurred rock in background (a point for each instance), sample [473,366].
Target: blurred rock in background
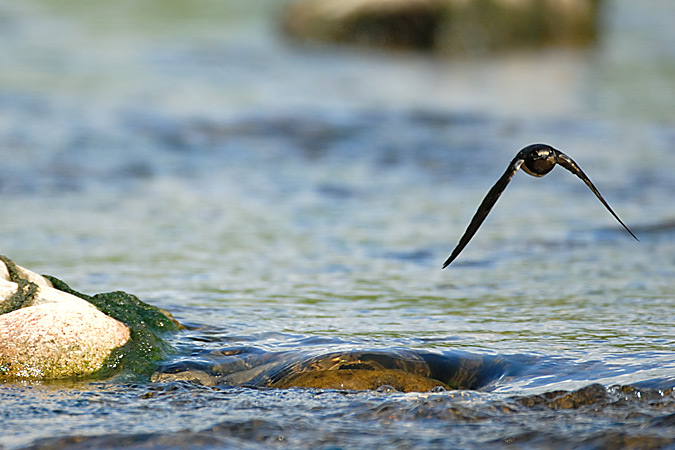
[445,26]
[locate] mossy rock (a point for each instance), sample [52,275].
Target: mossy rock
[50,331]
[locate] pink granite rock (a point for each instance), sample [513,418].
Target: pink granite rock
[55,334]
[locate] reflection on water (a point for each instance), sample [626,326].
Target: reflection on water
[293,206]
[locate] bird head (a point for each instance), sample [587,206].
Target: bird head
[539,160]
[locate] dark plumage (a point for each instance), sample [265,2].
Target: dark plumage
[537,160]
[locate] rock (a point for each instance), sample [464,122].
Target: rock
[57,340]
[391,23]
[358,379]
[593,394]
[31,276]
[192,375]
[445,26]
[385,370]
[48,333]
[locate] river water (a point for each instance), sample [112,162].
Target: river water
[287,202]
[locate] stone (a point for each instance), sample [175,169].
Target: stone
[47,333]
[57,340]
[391,23]
[359,379]
[445,26]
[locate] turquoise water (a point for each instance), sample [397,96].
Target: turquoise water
[287,202]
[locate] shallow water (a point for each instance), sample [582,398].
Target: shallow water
[286,203]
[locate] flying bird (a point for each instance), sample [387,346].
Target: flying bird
[536,160]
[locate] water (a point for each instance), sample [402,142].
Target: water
[286,203]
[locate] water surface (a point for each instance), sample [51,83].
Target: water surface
[288,202]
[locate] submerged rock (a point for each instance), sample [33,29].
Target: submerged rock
[49,331]
[361,380]
[383,370]
[445,26]
[402,370]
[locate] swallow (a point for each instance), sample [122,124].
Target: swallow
[536,160]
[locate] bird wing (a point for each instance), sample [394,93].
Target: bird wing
[487,204]
[569,164]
